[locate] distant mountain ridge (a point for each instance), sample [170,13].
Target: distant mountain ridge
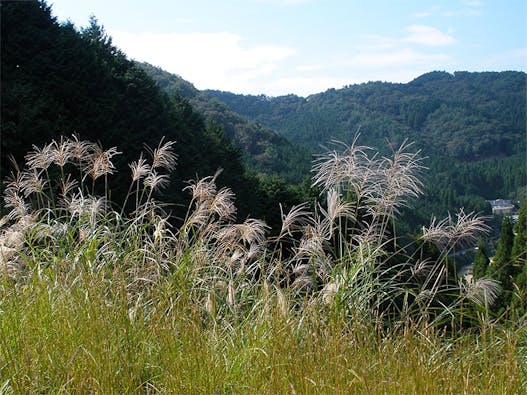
[488,107]
[469,125]
[264,149]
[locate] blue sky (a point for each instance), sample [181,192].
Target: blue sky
[276,47]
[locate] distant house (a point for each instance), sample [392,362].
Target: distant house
[502,206]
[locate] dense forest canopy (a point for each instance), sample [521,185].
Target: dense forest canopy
[264,149]
[470,126]
[58,80]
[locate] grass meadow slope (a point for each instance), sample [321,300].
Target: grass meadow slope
[99,297]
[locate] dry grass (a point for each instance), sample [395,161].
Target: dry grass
[95,299]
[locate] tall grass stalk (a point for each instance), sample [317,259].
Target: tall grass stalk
[99,299]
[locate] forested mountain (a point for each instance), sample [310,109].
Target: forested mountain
[470,126]
[57,81]
[264,149]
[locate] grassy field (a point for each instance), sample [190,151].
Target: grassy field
[94,299]
[84,337]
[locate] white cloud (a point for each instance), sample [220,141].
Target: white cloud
[427,35]
[423,14]
[225,61]
[516,58]
[208,60]
[473,3]
[405,56]
[417,34]
[469,8]
[310,67]
[283,2]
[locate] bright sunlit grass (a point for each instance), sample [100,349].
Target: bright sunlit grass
[85,337]
[98,300]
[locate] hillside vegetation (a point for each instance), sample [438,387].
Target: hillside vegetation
[264,149]
[139,254]
[58,81]
[470,126]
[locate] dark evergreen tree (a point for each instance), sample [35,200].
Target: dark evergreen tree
[501,267]
[519,247]
[481,261]
[519,259]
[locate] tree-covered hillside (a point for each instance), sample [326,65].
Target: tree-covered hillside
[264,149]
[470,126]
[57,80]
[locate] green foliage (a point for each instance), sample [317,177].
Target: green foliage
[519,260]
[502,268]
[519,247]
[57,81]
[470,126]
[263,149]
[481,262]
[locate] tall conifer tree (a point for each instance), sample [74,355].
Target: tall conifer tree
[501,268]
[481,261]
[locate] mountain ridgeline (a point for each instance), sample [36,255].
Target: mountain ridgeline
[58,80]
[471,127]
[264,149]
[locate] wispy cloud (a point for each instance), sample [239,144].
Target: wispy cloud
[427,35]
[209,60]
[473,3]
[422,14]
[282,2]
[311,67]
[516,58]
[416,34]
[405,56]
[468,8]
[420,48]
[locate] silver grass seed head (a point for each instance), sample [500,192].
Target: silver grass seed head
[231,294]
[12,237]
[483,292]
[32,183]
[303,283]
[223,204]
[6,253]
[100,162]
[155,181]
[40,158]
[140,168]
[295,219]
[422,268]
[164,156]
[468,227]
[450,232]
[61,152]
[80,150]
[202,190]
[74,204]
[329,292]
[14,183]
[199,216]
[67,185]
[19,207]
[252,231]
[96,207]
